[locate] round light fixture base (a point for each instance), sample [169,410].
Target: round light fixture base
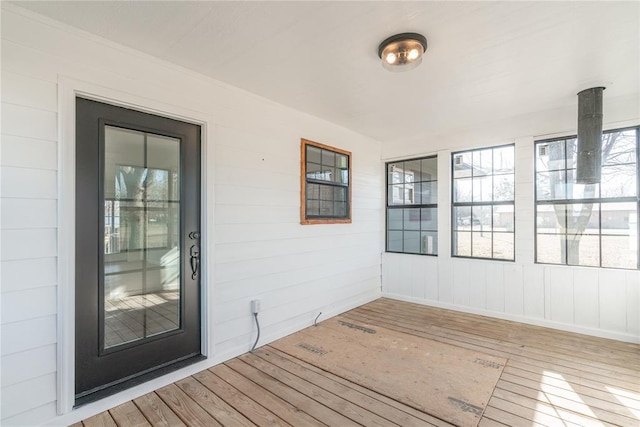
[402,52]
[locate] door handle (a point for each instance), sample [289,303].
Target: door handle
[195,261]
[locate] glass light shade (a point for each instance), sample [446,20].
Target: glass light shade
[402,52]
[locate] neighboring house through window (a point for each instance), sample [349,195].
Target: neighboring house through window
[325,196]
[589,225]
[483,203]
[412,206]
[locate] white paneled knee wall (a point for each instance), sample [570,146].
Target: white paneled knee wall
[601,302]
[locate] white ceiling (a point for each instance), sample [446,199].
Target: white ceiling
[486,61]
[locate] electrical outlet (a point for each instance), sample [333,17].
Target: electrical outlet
[255,306]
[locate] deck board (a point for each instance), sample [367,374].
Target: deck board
[551,378]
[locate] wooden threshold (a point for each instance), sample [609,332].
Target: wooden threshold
[552,378]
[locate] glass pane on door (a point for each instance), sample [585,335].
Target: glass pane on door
[141,235]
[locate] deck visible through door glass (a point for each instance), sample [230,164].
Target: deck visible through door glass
[141,235]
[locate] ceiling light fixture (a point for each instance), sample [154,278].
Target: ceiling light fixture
[402,52]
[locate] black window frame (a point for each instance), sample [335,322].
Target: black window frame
[306,181]
[419,206]
[579,201]
[472,204]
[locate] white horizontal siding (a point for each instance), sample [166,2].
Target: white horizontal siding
[29,92]
[28,273]
[29,122]
[28,334]
[29,213]
[29,153]
[29,364]
[41,391]
[28,243]
[32,417]
[260,249]
[28,304]
[28,183]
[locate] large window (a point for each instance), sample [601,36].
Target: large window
[412,206]
[325,196]
[483,203]
[591,225]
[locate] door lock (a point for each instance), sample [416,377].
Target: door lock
[195,261]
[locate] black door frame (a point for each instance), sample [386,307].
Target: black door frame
[89,217]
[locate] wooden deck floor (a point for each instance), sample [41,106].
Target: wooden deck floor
[551,378]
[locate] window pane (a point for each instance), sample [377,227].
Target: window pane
[503,218]
[313,207]
[462,218]
[619,218]
[551,186]
[326,192]
[503,159]
[482,162]
[429,219]
[394,219]
[580,191]
[313,171]
[620,251]
[313,191]
[583,218]
[412,242]
[481,218]
[503,247]
[326,208]
[551,218]
[428,192]
[429,243]
[342,175]
[342,161]
[313,154]
[583,250]
[550,248]
[340,209]
[462,165]
[503,188]
[619,181]
[619,147]
[395,195]
[412,219]
[483,189]
[572,152]
[328,158]
[411,195]
[550,156]
[340,194]
[462,243]
[395,173]
[394,241]
[462,190]
[430,169]
[481,244]
[412,171]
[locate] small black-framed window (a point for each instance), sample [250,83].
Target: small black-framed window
[593,225]
[483,203]
[325,184]
[412,206]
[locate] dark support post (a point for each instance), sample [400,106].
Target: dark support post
[589,136]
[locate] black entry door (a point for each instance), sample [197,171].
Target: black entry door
[137,247]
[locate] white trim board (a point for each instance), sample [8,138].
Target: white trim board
[521,319]
[68,89]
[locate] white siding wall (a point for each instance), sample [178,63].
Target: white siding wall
[602,302]
[258,247]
